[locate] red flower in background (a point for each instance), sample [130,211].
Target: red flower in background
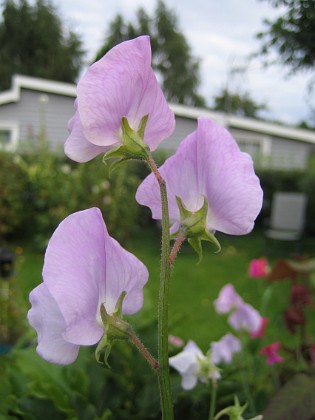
[261,330]
[258,268]
[270,352]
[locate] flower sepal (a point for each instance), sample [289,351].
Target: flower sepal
[194,226]
[235,412]
[133,146]
[115,329]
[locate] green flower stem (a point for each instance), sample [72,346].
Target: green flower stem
[213,400]
[165,275]
[176,247]
[134,339]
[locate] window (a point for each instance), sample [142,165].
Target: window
[8,136]
[257,145]
[5,138]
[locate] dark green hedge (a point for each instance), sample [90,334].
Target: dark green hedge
[39,190]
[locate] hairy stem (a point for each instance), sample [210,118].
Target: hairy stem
[165,274]
[134,339]
[176,247]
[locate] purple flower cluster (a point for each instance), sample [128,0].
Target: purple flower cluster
[84,267]
[242,316]
[193,365]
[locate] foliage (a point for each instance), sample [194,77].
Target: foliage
[45,188]
[171,55]
[26,34]
[238,104]
[13,213]
[292,35]
[12,317]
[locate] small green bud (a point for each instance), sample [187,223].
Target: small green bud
[115,329]
[194,224]
[133,146]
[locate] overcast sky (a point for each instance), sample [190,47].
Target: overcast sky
[221,34]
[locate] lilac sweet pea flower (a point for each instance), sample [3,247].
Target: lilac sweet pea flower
[121,84]
[242,315]
[84,268]
[227,300]
[224,349]
[192,364]
[208,164]
[245,317]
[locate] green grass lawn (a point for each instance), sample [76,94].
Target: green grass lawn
[34,384]
[194,286]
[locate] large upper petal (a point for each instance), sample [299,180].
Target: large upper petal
[232,188]
[208,163]
[46,318]
[124,272]
[75,273]
[77,147]
[245,317]
[227,300]
[122,83]
[224,349]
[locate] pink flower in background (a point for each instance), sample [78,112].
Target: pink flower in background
[258,268]
[84,268]
[261,330]
[224,349]
[270,352]
[176,341]
[193,365]
[208,164]
[245,317]
[121,84]
[227,300]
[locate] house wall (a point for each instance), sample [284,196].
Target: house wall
[39,114]
[184,126]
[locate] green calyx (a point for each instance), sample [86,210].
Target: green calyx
[235,412]
[115,329]
[193,224]
[133,146]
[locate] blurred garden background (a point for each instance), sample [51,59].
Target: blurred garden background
[40,187]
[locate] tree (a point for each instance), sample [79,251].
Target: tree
[171,54]
[237,104]
[33,42]
[292,35]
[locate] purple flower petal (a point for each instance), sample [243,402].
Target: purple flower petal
[121,84]
[46,318]
[227,300]
[77,147]
[245,317]
[84,268]
[224,349]
[208,163]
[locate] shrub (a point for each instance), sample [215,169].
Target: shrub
[41,189]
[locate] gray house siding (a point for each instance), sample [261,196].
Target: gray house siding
[39,114]
[37,110]
[286,154]
[184,126]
